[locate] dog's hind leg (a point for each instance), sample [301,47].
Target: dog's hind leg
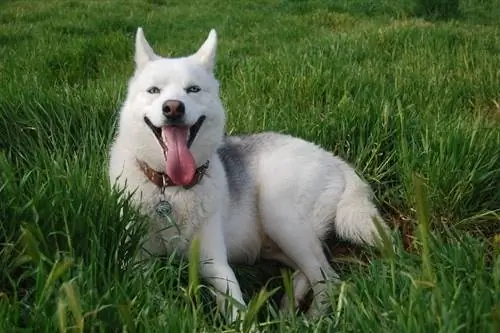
[299,242]
[300,283]
[301,287]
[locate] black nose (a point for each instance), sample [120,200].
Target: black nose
[173,109]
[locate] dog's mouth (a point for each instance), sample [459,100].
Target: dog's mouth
[193,130]
[175,140]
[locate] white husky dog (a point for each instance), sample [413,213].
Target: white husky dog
[266,195]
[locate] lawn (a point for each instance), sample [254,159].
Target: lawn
[413,102]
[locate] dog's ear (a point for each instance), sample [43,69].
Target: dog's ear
[143,52]
[206,54]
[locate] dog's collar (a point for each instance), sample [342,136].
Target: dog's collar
[162,180]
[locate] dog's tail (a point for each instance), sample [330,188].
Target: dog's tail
[356,212]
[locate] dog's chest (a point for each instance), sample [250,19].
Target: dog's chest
[176,217]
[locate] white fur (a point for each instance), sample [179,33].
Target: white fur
[293,195]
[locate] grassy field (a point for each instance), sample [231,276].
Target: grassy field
[412,102]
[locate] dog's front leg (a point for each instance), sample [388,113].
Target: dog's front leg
[216,271]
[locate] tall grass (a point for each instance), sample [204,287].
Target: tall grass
[394,94]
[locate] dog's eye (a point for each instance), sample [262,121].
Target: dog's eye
[193,89]
[153,90]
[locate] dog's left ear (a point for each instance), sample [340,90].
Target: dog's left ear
[206,54]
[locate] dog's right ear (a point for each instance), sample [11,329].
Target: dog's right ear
[143,52]
[206,54]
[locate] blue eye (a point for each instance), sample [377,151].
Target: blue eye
[193,89]
[153,90]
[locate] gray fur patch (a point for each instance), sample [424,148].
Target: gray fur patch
[237,155]
[232,157]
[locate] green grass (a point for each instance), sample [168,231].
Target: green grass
[395,93]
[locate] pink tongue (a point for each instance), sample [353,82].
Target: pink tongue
[181,165]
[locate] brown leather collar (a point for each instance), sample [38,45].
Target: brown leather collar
[162,180]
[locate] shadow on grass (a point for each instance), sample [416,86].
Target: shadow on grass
[432,10]
[353,7]
[435,10]
[11,40]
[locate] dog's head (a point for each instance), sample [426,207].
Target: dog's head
[173,114]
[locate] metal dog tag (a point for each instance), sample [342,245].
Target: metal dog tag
[163,208]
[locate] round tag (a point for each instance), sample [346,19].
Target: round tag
[163,208]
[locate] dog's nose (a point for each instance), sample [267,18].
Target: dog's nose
[173,109]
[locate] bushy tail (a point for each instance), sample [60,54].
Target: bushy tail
[356,211]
